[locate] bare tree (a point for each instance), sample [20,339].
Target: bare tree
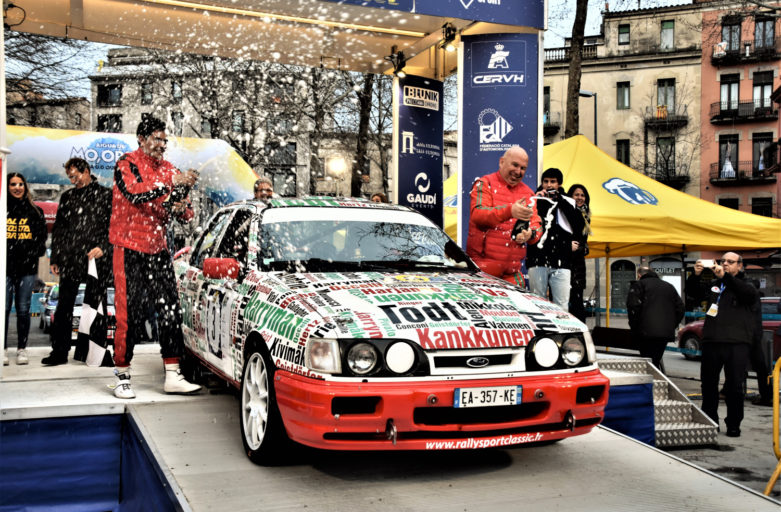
[576,57]
[43,67]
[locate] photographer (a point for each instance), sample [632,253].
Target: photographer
[550,260]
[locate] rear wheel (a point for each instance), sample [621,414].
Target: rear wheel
[262,430]
[691,343]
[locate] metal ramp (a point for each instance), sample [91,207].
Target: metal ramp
[677,421]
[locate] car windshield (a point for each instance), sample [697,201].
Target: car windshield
[769,307]
[302,239]
[55,294]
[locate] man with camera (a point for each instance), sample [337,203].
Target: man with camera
[502,220]
[728,333]
[550,260]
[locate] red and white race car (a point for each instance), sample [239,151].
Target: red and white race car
[353,325]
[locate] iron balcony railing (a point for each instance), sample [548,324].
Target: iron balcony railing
[756,110]
[746,51]
[742,173]
[666,117]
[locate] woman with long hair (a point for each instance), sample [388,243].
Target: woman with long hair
[578,280]
[26,239]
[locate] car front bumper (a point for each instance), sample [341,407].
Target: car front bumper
[420,415]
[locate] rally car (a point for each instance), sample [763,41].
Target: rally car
[353,325]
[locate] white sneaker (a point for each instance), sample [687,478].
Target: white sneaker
[176,383]
[122,387]
[21,357]
[5,358]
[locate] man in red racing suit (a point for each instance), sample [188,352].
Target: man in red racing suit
[147,192]
[498,201]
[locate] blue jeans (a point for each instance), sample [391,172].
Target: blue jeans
[19,290]
[540,278]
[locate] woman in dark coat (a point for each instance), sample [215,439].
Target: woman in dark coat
[26,239]
[578,279]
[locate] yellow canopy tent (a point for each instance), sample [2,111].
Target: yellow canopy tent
[634,215]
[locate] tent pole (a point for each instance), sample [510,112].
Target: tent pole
[598,321]
[607,285]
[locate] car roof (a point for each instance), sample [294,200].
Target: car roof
[320,202]
[771,299]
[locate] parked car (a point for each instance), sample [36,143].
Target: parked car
[49,302]
[352,325]
[690,335]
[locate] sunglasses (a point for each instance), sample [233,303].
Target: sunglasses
[730,262]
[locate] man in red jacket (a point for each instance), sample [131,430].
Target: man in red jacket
[498,201]
[147,192]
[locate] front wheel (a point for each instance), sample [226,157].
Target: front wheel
[262,430]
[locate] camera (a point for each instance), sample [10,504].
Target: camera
[520,225]
[552,194]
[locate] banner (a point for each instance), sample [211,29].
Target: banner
[418,144]
[528,13]
[498,108]
[40,153]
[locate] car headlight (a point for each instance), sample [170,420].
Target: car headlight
[362,358]
[400,357]
[322,355]
[572,351]
[591,351]
[546,352]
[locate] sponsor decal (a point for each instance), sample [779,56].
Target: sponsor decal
[102,154]
[423,184]
[499,64]
[471,337]
[487,442]
[629,192]
[493,129]
[420,97]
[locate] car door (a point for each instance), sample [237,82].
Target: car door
[218,298]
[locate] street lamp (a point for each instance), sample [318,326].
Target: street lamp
[588,94]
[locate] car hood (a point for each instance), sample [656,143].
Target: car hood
[436,310]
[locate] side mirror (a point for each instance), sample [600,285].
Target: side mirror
[221,268]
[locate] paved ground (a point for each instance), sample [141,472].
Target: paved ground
[748,460]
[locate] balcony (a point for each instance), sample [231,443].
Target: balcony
[551,123]
[750,50]
[665,118]
[745,173]
[728,112]
[563,54]
[669,177]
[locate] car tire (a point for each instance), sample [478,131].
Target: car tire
[691,342]
[262,431]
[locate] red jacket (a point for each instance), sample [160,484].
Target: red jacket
[138,218]
[491,222]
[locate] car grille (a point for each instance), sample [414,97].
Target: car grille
[466,362]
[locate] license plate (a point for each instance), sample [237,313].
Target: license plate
[487,397]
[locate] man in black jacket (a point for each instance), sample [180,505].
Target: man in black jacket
[80,233]
[655,309]
[550,260]
[729,329]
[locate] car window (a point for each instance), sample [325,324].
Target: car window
[210,237]
[80,298]
[769,308]
[55,293]
[236,240]
[110,297]
[355,236]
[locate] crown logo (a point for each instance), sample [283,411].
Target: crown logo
[499,47]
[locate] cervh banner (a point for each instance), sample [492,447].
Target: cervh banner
[418,125]
[498,98]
